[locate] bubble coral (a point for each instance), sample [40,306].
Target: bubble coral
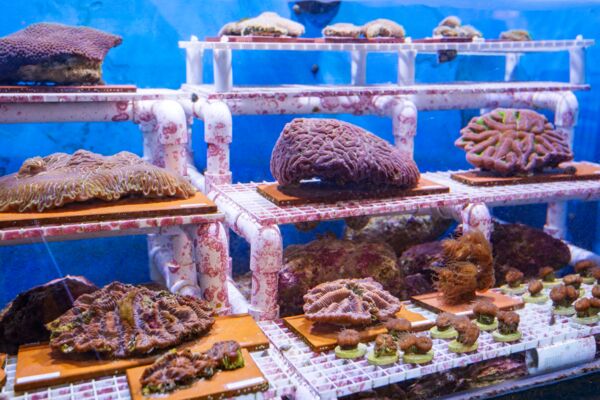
[383,28]
[468,268]
[59,179]
[398,327]
[514,278]
[485,311]
[416,344]
[55,53]
[513,142]
[125,321]
[341,153]
[350,302]
[342,29]
[348,339]
[508,322]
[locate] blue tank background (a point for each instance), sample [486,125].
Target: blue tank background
[150,57]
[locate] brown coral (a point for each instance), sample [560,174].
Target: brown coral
[573,280]
[596,274]
[350,302]
[563,296]
[452,27]
[468,332]
[383,28]
[516,35]
[59,179]
[596,291]
[348,339]
[508,322]
[513,141]
[343,29]
[341,153]
[444,321]
[385,345]
[468,268]
[582,307]
[585,267]
[398,327]
[266,24]
[123,321]
[416,344]
[175,369]
[535,287]
[547,274]
[23,320]
[226,354]
[485,311]
[47,52]
[514,277]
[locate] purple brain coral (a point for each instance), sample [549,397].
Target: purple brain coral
[59,179]
[513,141]
[338,152]
[48,52]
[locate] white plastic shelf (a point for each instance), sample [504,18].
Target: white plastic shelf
[245,198]
[474,47]
[329,377]
[52,97]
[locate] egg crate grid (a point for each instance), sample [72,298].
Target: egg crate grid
[329,377]
[116,387]
[477,46]
[139,94]
[245,197]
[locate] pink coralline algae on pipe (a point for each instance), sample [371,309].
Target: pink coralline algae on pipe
[341,153]
[513,142]
[59,179]
[55,53]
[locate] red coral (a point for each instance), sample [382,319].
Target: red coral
[512,141]
[341,153]
[45,43]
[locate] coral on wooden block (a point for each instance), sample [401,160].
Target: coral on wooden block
[122,320]
[23,320]
[327,259]
[350,302]
[53,181]
[342,29]
[340,153]
[468,267]
[510,142]
[383,28]
[226,355]
[55,53]
[266,24]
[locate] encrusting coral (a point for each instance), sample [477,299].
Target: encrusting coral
[586,311]
[342,30]
[514,142]
[121,321]
[514,278]
[53,181]
[468,267]
[516,35]
[385,350]
[417,349]
[55,53]
[340,153]
[535,294]
[383,28]
[350,302]
[266,24]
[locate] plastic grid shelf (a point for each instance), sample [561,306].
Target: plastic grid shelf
[245,197]
[140,94]
[297,91]
[329,377]
[117,388]
[474,47]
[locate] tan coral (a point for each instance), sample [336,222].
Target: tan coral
[343,29]
[383,28]
[535,287]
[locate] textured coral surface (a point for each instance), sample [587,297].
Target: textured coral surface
[526,249]
[266,24]
[51,182]
[350,302]
[383,28]
[485,308]
[327,259]
[444,321]
[23,320]
[348,339]
[418,265]
[123,320]
[514,277]
[342,29]
[517,35]
[415,344]
[468,332]
[513,141]
[563,296]
[508,322]
[535,287]
[341,153]
[468,267]
[47,52]
[452,27]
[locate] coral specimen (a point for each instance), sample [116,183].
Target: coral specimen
[341,153]
[59,179]
[516,35]
[266,24]
[398,327]
[176,369]
[385,350]
[452,27]
[418,265]
[468,267]
[535,288]
[511,142]
[587,311]
[23,320]
[585,269]
[562,298]
[350,302]
[468,333]
[573,280]
[357,222]
[547,274]
[349,346]
[54,53]
[535,294]
[596,291]
[526,249]
[508,322]
[417,349]
[443,328]
[383,28]
[596,274]
[514,278]
[402,232]
[226,355]
[327,259]
[485,312]
[582,308]
[343,30]
[123,321]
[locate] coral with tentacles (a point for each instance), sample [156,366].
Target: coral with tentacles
[468,267]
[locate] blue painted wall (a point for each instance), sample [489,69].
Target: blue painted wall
[149,57]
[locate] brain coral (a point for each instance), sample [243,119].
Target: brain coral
[59,179]
[339,152]
[350,302]
[512,141]
[123,321]
[47,52]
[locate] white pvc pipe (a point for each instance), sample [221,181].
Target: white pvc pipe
[510,65]
[101,111]
[406,67]
[577,64]
[358,67]
[223,73]
[193,63]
